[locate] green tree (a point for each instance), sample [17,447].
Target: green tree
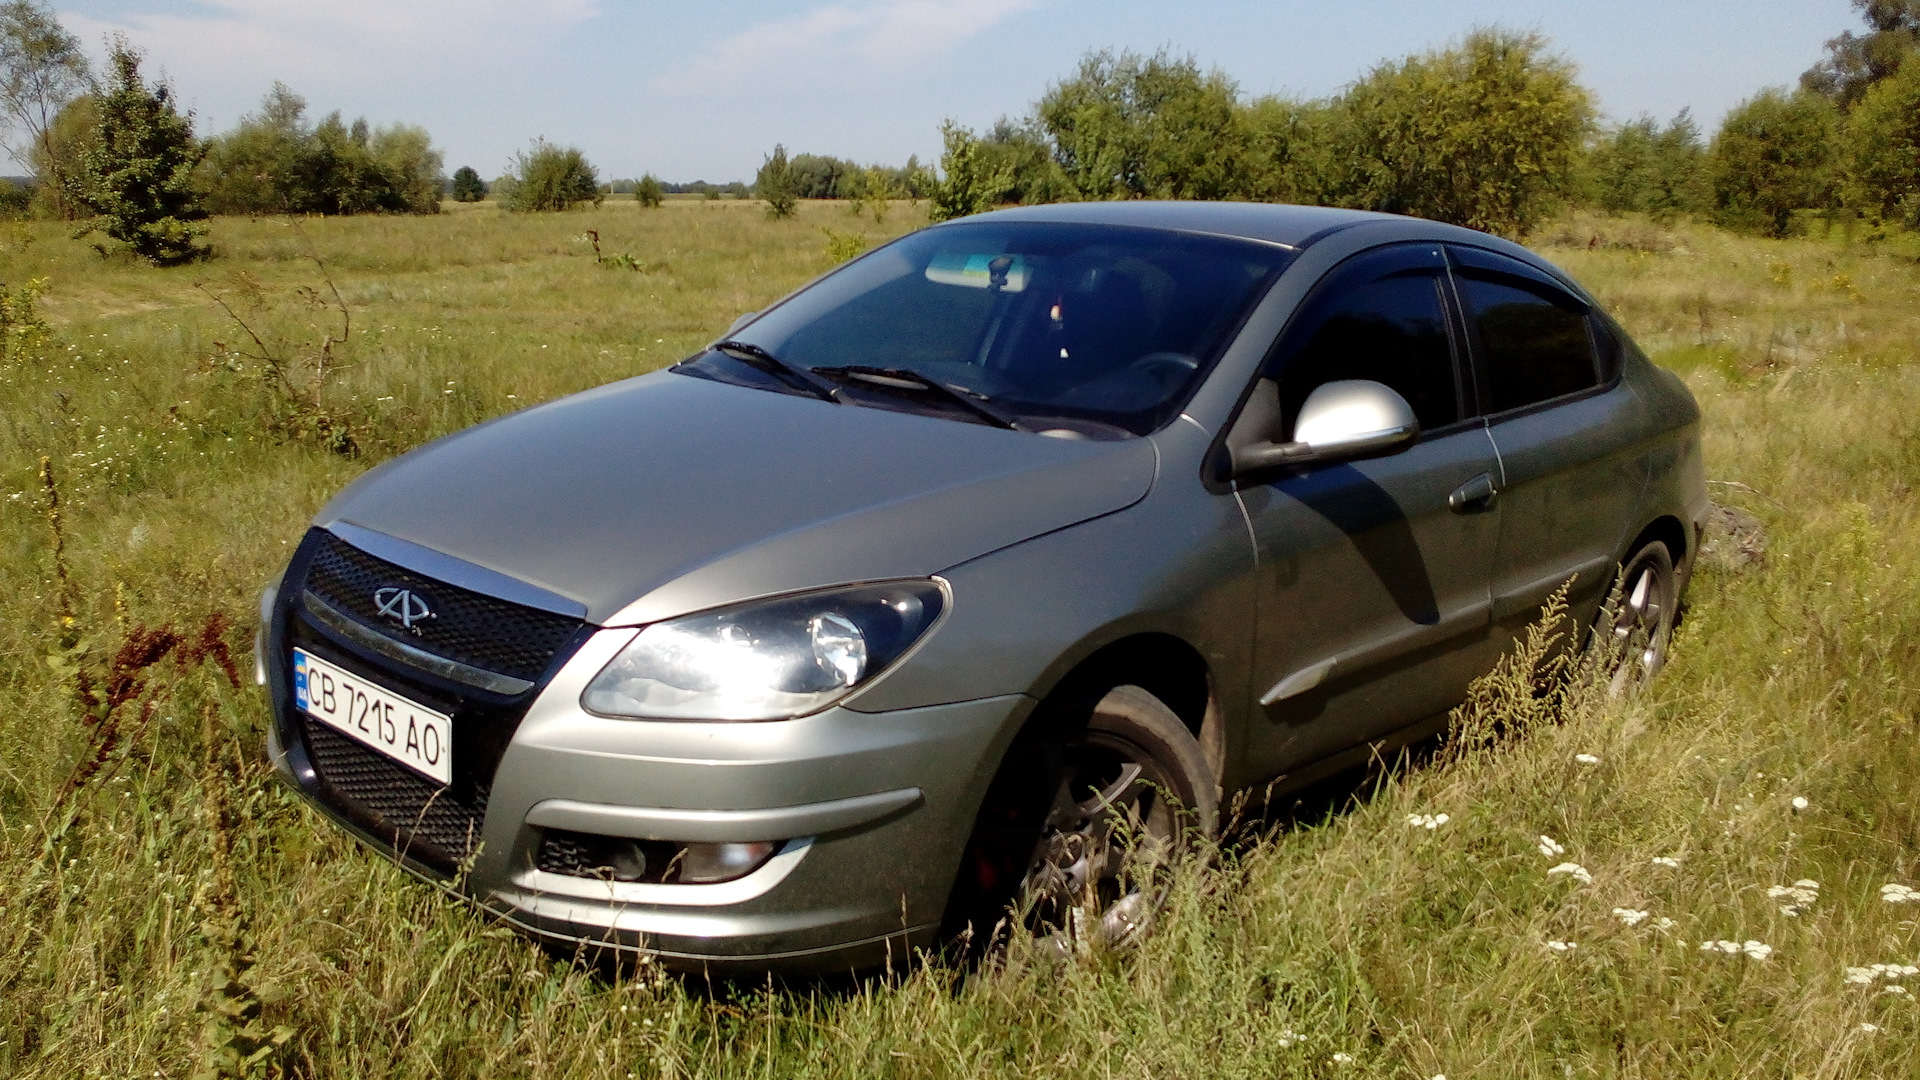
[1643,167]
[275,162]
[467,185]
[1127,126]
[1774,155]
[55,160]
[553,177]
[648,191]
[1882,138]
[137,178]
[1291,153]
[775,184]
[42,74]
[1484,135]
[973,181]
[1855,62]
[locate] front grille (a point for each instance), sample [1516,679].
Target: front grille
[436,826]
[468,627]
[419,817]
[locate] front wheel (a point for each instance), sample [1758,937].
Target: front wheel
[1641,618]
[1077,834]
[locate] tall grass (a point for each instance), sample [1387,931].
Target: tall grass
[166,909]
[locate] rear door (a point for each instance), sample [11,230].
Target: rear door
[1373,589]
[1546,370]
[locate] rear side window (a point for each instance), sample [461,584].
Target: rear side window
[1391,329]
[1534,344]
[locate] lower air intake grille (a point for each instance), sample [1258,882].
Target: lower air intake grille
[420,818]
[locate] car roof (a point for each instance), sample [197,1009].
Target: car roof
[1274,223]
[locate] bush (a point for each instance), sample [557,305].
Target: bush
[275,162]
[137,177]
[1154,127]
[550,177]
[975,181]
[648,191]
[775,184]
[1645,168]
[1485,135]
[1774,155]
[467,185]
[1883,148]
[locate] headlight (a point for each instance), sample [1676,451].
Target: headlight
[766,660]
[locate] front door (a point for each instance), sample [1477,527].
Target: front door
[1373,575]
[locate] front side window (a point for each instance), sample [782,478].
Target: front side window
[1534,344]
[1102,330]
[1391,329]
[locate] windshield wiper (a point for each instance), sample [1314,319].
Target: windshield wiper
[891,378]
[754,356]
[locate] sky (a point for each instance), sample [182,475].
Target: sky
[704,90]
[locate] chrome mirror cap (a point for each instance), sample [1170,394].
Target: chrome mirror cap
[1352,417]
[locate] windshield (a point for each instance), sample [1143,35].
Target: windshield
[1092,330]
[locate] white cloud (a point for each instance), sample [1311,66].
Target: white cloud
[257,41]
[836,44]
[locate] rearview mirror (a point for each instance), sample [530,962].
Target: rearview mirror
[1344,420]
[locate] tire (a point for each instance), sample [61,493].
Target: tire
[1086,826]
[1639,618]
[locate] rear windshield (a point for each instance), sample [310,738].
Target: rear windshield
[1101,329]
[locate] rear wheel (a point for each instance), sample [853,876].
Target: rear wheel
[1077,833]
[1641,620]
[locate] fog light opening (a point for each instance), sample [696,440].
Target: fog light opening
[704,864]
[652,862]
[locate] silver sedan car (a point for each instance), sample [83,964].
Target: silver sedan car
[939,587]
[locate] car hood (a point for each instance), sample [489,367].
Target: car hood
[666,493]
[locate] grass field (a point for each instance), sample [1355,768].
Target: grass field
[167,910]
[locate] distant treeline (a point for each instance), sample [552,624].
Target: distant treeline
[1495,133]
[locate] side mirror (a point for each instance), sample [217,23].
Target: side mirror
[740,322]
[1343,420]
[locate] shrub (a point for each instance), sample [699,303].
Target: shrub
[1154,127]
[975,181]
[648,190]
[467,185]
[553,177]
[1643,167]
[1485,135]
[775,184]
[137,178]
[1883,147]
[275,162]
[1774,155]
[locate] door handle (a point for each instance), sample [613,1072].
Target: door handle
[1474,496]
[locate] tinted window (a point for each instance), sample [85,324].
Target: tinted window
[1051,322]
[1392,330]
[1531,347]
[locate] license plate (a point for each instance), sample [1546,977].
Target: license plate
[406,731]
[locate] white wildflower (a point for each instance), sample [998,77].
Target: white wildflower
[1894,893]
[1586,759]
[1563,946]
[1755,950]
[1630,916]
[1665,860]
[1896,991]
[1867,1029]
[1802,893]
[1550,847]
[1799,803]
[1428,822]
[1860,976]
[1342,1059]
[1574,870]
[1664,923]
[1289,1038]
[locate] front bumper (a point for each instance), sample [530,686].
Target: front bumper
[873,810]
